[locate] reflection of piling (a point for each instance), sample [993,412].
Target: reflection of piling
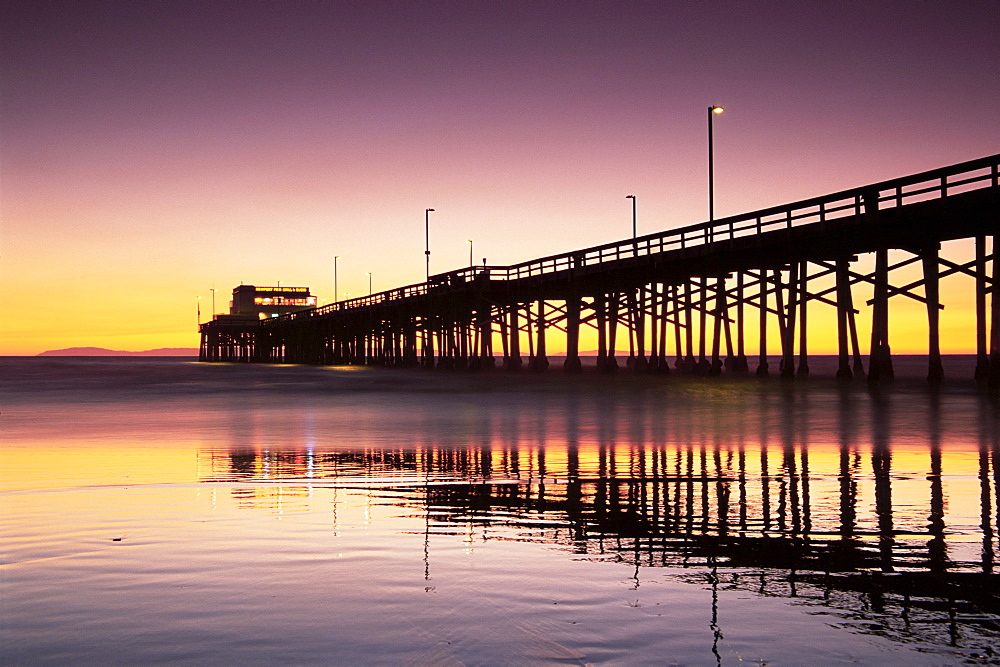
[681,503]
[646,495]
[882,469]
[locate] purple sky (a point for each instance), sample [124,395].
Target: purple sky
[151,150]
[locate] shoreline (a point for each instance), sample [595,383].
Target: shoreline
[172,378]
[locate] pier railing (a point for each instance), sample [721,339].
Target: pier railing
[925,186]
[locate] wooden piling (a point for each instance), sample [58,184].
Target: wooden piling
[982,359]
[762,365]
[935,371]
[540,362]
[803,369]
[994,374]
[573,363]
[880,358]
[844,307]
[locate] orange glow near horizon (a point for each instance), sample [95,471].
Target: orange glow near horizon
[133,325]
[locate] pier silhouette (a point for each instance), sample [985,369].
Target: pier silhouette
[684,298]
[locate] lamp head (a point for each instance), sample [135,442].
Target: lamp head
[629,196]
[717,110]
[429,210]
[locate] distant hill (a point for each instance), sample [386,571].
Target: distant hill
[103,352]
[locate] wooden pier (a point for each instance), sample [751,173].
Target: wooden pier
[683,299]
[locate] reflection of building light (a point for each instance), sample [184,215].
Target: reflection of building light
[468,540]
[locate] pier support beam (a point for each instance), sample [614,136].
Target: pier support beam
[653,364]
[514,333]
[880,358]
[982,358]
[786,323]
[573,363]
[720,315]
[740,365]
[994,374]
[803,370]
[703,366]
[610,363]
[540,361]
[675,309]
[427,344]
[688,366]
[935,371]
[601,316]
[663,365]
[844,307]
[630,319]
[762,365]
[639,329]
[486,336]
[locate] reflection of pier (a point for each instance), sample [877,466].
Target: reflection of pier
[754,504]
[861,543]
[697,503]
[703,295]
[881,507]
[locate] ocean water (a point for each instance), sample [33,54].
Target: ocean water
[162,510]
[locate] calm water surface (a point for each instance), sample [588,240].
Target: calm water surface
[158,510]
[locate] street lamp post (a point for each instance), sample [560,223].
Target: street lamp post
[213,302]
[632,197]
[336,294]
[703,367]
[469,241]
[427,240]
[712,112]
[199,311]
[369,274]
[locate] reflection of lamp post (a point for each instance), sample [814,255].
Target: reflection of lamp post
[712,111]
[335,292]
[469,241]
[368,273]
[427,240]
[632,197]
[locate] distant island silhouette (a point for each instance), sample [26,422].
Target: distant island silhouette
[104,352]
